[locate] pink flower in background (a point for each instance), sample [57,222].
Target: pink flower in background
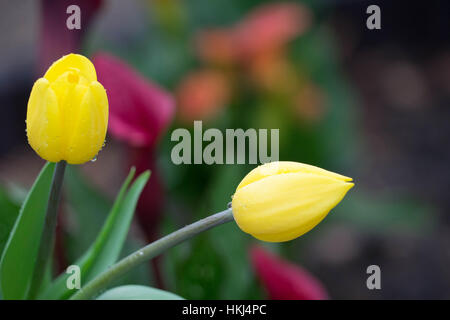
[55,39]
[283,280]
[139,113]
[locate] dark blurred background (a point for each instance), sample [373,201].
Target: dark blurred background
[376,108]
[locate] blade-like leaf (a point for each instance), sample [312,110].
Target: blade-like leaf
[135,292]
[18,258]
[58,289]
[112,239]
[109,242]
[89,209]
[9,212]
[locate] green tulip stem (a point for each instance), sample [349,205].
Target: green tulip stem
[150,251]
[48,234]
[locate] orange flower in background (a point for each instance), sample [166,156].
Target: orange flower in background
[216,46]
[254,48]
[310,102]
[257,44]
[273,72]
[202,94]
[269,27]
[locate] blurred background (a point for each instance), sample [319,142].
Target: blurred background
[370,104]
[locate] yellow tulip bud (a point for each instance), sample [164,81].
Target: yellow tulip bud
[280,201]
[67,114]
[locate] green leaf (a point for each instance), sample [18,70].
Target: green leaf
[112,237]
[18,258]
[89,209]
[135,292]
[106,249]
[10,211]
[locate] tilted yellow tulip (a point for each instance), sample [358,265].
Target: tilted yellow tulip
[67,114]
[280,201]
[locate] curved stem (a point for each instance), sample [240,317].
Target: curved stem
[48,234]
[150,251]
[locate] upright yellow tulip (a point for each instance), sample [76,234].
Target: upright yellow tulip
[67,114]
[280,201]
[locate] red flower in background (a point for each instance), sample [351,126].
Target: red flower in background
[139,113]
[284,280]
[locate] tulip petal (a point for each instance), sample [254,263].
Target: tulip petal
[101,101]
[72,60]
[279,167]
[35,103]
[89,133]
[43,122]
